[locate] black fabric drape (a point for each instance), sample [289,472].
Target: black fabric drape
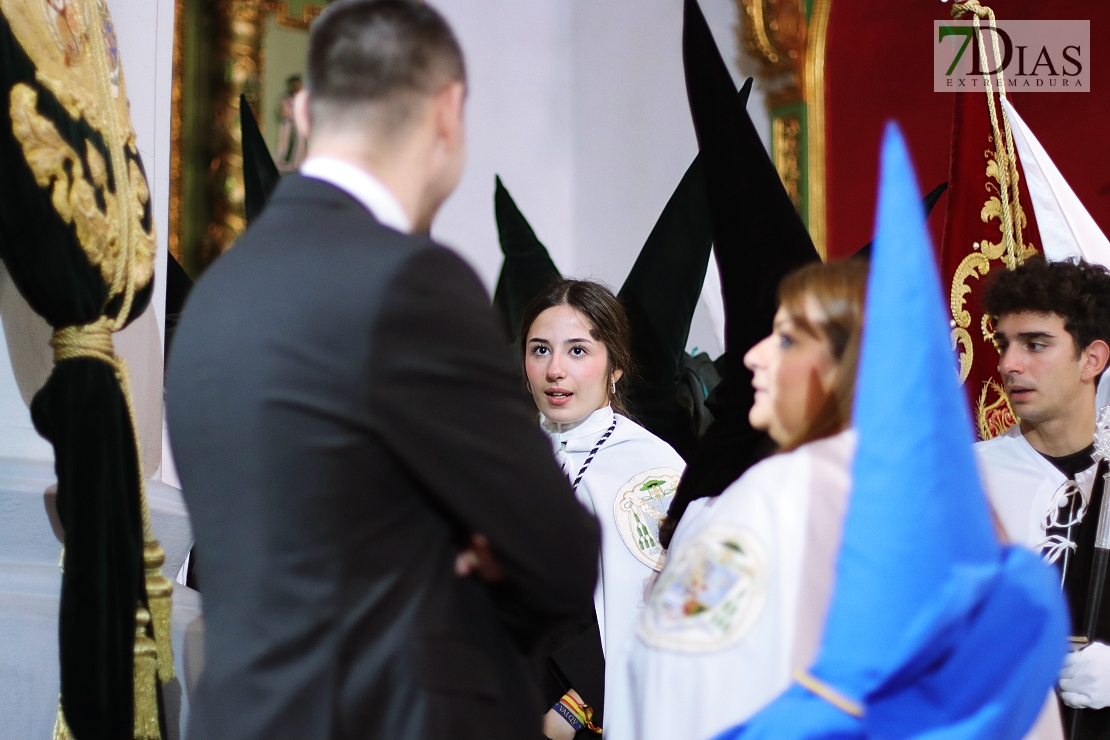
[528,268]
[758,238]
[927,203]
[660,295]
[81,409]
[260,174]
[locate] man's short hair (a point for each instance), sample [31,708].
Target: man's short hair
[363,52]
[1075,290]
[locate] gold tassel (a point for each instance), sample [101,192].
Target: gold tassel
[159,596]
[146,676]
[61,729]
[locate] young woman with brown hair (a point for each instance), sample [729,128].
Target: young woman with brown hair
[575,352]
[741,601]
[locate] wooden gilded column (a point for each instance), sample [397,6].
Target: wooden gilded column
[788,37]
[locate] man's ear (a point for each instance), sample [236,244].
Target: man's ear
[449,104]
[1095,358]
[301,117]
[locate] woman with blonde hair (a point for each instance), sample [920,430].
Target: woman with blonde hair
[742,599]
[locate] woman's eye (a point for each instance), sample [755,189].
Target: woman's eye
[786,341]
[578,351]
[539,350]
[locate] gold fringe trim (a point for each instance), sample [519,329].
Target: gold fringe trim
[147,726]
[61,729]
[159,596]
[829,694]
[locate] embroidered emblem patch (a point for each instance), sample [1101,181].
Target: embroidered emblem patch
[111,50]
[710,595]
[639,511]
[67,25]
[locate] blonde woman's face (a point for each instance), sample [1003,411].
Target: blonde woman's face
[567,369]
[793,373]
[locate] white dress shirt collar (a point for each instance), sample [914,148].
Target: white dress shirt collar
[363,187]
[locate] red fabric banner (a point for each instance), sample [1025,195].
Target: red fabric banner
[975,244]
[878,67]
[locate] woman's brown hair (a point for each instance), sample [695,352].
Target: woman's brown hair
[837,290]
[607,318]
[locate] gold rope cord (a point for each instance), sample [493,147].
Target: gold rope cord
[993,412]
[1012,214]
[152,659]
[72,59]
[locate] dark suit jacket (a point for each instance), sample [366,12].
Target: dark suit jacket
[344,413]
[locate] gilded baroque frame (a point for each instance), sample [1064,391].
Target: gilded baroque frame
[237,27]
[788,37]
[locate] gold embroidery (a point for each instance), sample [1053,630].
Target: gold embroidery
[973,265]
[68,25]
[78,185]
[987,325]
[102,192]
[74,189]
[961,339]
[89,85]
[993,413]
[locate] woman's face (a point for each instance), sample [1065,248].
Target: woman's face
[567,369]
[793,373]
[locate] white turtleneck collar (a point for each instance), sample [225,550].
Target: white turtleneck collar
[587,430]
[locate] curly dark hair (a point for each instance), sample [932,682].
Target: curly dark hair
[1074,290]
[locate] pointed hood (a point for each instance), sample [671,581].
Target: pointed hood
[915,482]
[527,269]
[260,174]
[934,629]
[758,234]
[758,238]
[1067,229]
[660,294]
[927,203]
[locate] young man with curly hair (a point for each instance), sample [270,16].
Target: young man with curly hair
[1052,331]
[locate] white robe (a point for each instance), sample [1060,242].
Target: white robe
[1022,487]
[742,600]
[617,488]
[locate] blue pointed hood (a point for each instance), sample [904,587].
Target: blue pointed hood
[915,483]
[934,628]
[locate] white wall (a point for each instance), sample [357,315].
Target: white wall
[520,117]
[144,29]
[581,107]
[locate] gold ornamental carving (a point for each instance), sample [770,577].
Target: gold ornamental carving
[775,32]
[786,133]
[284,15]
[241,52]
[791,50]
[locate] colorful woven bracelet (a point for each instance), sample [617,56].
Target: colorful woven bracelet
[568,714]
[577,715]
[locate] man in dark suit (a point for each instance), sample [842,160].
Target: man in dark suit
[346,419]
